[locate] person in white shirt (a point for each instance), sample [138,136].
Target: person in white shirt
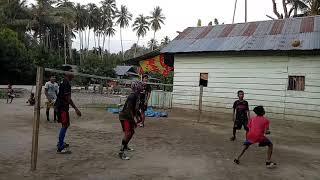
[51,90]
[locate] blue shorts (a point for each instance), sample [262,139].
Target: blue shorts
[264,142]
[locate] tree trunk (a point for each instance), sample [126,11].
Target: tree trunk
[70,45]
[135,49]
[95,41]
[275,10]
[103,43]
[64,43]
[121,44]
[80,46]
[285,10]
[154,39]
[88,42]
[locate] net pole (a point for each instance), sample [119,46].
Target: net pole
[36,119]
[200,103]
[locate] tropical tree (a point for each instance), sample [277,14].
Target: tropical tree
[141,26]
[91,7]
[110,31]
[153,43]
[165,41]
[123,17]
[109,10]
[67,12]
[157,18]
[80,26]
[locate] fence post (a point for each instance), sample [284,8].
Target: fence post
[36,119]
[200,102]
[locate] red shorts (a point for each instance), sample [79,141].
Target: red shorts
[128,126]
[63,118]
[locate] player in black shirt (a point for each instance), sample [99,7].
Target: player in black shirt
[144,98]
[241,114]
[62,108]
[127,118]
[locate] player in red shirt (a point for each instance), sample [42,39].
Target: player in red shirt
[258,128]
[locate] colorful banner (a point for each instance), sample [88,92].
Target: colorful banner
[155,65]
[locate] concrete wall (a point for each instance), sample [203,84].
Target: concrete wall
[264,80]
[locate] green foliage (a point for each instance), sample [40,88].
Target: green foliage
[164,80]
[16,65]
[94,65]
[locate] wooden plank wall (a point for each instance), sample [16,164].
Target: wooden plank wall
[264,80]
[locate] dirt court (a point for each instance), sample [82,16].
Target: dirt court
[169,148]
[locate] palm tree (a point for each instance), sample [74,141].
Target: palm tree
[109,10]
[157,18]
[123,18]
[91,8]
[68,16]
[165,41]
[110,31]
[80,26]
[153,43]
[141,25]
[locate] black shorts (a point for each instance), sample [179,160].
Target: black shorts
[143,106]
[239,123]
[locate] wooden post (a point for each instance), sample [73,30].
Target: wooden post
[36,119]
[200,102]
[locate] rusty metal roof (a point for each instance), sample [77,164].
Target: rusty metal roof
[273,35]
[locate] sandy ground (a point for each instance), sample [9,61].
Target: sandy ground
[173,148]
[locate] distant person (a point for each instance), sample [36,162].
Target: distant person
[144,98]
[62,108]
[241,114]
[127,118]
[258,128]
[31,101]
[51,89]
[10,93]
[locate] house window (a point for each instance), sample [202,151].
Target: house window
[203,79]
[296,83]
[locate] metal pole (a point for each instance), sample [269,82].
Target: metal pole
[36,119]
[246,11]
[234,10]
[200,102]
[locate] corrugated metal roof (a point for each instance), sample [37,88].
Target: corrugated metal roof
[271,35]
[122,70]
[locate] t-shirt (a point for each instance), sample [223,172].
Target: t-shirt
[132,104]
[257,128]
[62,102]
[145,91]
[241,108]
[53,89]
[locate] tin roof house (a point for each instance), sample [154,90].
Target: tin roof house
[276,63]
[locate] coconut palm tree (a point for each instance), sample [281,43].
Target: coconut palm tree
[157,18]
[123,17]
[141,26]
[153,43]
[165,41]
[109,10]
[90,21]
[80,26]
[110,31]
[67,12]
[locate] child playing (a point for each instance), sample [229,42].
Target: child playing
[258,127]
[126,117]
[241,114]
[31,101]
[10,93]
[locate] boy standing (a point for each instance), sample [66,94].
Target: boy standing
[241,114]
[144,98]
[62,108]
[127,116]
[258,127]
[51,89]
